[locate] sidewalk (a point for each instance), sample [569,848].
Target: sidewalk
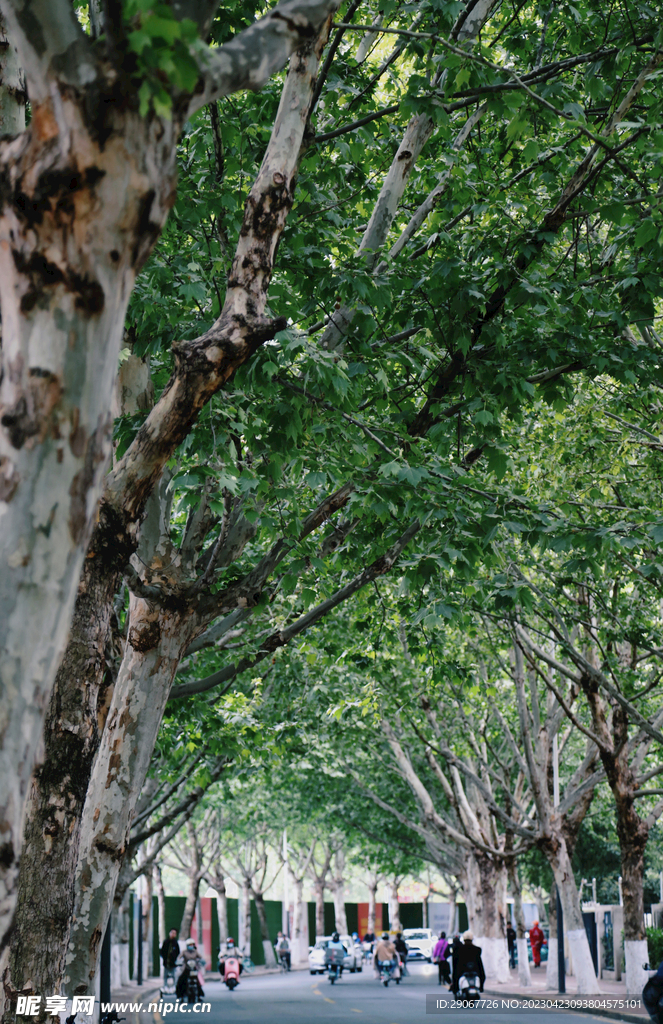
[609,989]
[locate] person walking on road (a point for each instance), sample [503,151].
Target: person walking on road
[440,954]
[511,943]
[170,950]
[536,938]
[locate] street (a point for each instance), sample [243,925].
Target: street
[301,998]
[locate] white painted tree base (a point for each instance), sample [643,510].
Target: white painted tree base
[583,966]
[299,951]
[635,955]
[270,955]
[495,957]
[552,974]
[524,976]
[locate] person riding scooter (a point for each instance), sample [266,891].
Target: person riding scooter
[231,953]
[335,954]
[468,960]
[232,960]
[385,953]
[191,963]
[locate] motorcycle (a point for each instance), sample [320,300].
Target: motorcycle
[367,948]
[389,971]
[231,971]
[469,986]
[168,987]
[652,995]
[189,981]
[334,963]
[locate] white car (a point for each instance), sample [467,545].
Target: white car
[420,943]
[354,959]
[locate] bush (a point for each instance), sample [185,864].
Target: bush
[655,945]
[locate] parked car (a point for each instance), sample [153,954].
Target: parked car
[420,943]
[353,960]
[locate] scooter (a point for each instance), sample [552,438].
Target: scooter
[231,971]
[192,983]
[168,987]
[334,962]
[389,971]
[469,986]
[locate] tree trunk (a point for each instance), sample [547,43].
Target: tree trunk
[319,895]
[245,938]
[12,87]
[148,924]
[453,893]
[299,925]
[64,300]
[372,886]
[74,721]
[121,923]
[633,834]
[156,641]
[338,894]
[161,898]
[524,976]
[557,853]
[489,933]
[221,911]
[270,955]
[394,908]
[86,191]
[190,906]
[552,967]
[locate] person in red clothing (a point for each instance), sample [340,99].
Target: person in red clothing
[536,938]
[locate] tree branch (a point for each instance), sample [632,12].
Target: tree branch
[250,59]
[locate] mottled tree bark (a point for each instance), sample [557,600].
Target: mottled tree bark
[84,193]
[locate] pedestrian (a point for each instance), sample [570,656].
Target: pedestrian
[536,938]
[440,957]
[170,950]
[511,943]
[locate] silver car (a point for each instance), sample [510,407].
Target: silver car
[353,960]
[420,943]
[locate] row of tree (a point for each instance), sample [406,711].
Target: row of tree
[464,203]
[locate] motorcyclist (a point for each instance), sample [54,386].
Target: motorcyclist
[336,944]
[385,952]
[231,951]
[468,957]
[190,959]
[402,950]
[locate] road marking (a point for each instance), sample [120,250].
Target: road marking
[327,1000]
[317,992]
[356,1011]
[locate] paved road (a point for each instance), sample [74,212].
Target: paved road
[301,998]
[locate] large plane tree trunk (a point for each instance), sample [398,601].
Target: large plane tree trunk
[113,542]
[85,191]
[558,856]
[261,911]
